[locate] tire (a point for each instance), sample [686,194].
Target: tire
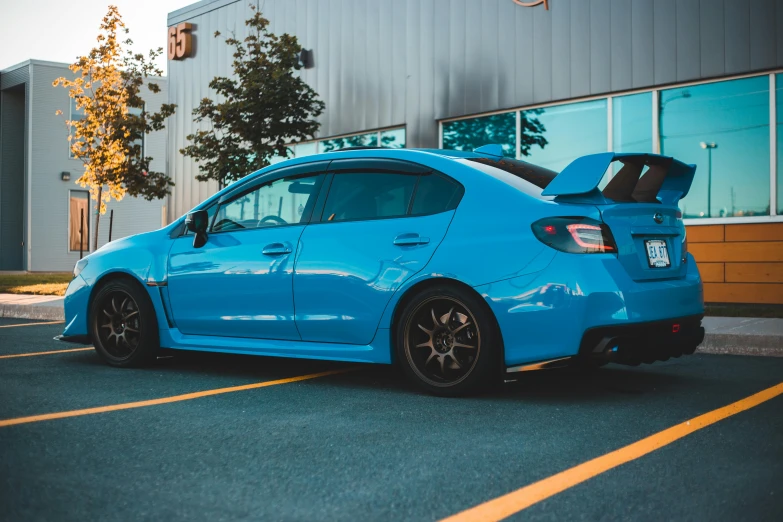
[448,343]
[123,325]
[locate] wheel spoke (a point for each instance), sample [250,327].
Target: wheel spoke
[129,329]
[435,322]
[460,327]
[106,313]
[446,318]
[114,305]
[427,344]
[442,360]
[428,332]
[455,365]
[431,357]
[461,345]
[131,314]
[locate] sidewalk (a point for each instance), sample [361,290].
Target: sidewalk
[725,335]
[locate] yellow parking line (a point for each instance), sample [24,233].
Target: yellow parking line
[164,400]
[30,324]
[516,501]
[31,354]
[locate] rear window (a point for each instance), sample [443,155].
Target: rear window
[538,176]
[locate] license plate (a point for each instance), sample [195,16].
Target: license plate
[657,253]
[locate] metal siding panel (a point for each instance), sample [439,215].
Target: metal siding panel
[414,51]
[373,58]
[427,133]
[542,56]
[779,32]
[580,49]
[737,36]
[505,30]
[621,66]
[560,56]
[13,106]
[473,57]
[441,95]
[489,62]
[600,46]
[400,34]
[524,47]
[322,58]
[688,56]
[665,41]
[642,46]
[712,38]
[762,35]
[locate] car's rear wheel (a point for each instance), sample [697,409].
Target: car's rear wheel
[447,342]
[123,325]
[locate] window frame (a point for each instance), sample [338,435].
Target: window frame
[87,246]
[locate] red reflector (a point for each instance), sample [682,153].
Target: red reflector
[550,229]
[675,328]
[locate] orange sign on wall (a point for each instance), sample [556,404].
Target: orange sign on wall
[180,41]
[533,3]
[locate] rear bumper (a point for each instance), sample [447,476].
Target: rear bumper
[644,342]
[545,315]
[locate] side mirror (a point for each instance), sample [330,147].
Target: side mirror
[197,222]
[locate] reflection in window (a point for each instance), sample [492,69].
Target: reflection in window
[360,140]
[473,133]
[723,128]
[571,130]
[394,139]
[79,221]
[435,194]
[632,123]
[281,202]
[368,196]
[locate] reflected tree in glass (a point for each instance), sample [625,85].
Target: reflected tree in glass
[499,129]
[360,140]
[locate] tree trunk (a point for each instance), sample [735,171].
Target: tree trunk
[97,220]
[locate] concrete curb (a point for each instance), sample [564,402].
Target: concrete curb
[19,311]
[731,344]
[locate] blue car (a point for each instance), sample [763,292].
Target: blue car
[461,267]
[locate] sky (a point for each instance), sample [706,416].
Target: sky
[59,31]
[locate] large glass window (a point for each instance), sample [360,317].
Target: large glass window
[632,118]
[473,133]
[723,128]
[281,202]
[79,221]
[368,196]
[570,131]
[394,139]
[360,140]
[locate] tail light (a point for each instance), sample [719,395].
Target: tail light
[575,235]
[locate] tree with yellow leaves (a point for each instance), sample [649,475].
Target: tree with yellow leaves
[107,85]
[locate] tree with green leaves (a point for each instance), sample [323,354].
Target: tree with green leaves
[108,138]
[472,133]
[264,106]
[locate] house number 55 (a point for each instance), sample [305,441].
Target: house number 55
[180,41]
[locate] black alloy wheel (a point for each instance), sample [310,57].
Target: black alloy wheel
[449,342]
[124,330]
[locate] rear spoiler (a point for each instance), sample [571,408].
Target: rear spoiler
[666,180]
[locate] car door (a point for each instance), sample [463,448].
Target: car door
[378,224]
[239,284]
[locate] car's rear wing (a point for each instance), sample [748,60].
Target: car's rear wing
[666,179]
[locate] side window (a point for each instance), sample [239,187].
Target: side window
[368,196]
[435,194]
[286,201]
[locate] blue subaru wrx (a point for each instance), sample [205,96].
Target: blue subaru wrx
[461,267]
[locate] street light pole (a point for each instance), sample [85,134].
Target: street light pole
[709,146]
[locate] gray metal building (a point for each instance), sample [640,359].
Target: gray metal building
[39,209]
[416,63]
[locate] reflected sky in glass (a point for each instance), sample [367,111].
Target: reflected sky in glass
[632,118]
[735,116]
[571,130]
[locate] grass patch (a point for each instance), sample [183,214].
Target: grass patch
[37,283]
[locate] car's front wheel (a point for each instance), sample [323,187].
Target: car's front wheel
[123,324]
[447,342]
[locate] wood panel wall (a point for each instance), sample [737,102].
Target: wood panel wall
[739,263]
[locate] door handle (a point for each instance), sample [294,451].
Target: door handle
[410,240]
[276,249]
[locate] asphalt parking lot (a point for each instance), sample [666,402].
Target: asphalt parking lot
[363,445]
